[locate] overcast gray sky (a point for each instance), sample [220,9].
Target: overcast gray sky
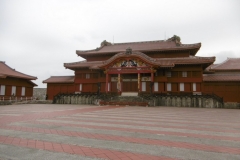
[38,36]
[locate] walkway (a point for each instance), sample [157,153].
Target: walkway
[85,132]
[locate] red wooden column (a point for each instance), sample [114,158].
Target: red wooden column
[152,80]
[119,86]
[139,82]
[152,76]
[106,87]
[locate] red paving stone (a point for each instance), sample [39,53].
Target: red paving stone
[150,125]
[34,116]
[79,150]
[194,135]
[181,116]
[185,145]
[170,120]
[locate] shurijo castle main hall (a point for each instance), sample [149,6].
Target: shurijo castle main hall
[150,68]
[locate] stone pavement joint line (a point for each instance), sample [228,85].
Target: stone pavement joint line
[166,143]
[33,116]
[79,150]
[216,137]
[149,125]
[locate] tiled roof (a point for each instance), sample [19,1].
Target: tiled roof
[6,71]
[59,79]
[184,60]
[83,64]
[231,64]
[160,45]
[219,77]
[161,62]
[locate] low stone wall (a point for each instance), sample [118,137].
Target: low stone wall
[186,101]
[233,105]
[75,99]
[26,102]
[5,103]
[39,93]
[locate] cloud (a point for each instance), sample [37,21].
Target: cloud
[223,55]
[37,37]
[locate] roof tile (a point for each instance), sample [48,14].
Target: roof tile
[139,46]
[6,71]
[229,64]
[59,79]
[219,77]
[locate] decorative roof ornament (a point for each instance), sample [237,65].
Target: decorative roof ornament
[128,50]
[176,39]
[105,43]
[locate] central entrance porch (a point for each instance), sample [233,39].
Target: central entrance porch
[130,83]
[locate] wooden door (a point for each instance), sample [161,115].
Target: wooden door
[130,86]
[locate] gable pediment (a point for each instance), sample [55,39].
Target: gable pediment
[135,59]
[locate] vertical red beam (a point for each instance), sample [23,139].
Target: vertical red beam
[152,76]
[139,82]
[152,79]
[106,87]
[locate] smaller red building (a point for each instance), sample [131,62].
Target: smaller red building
[223,80]
[14,84]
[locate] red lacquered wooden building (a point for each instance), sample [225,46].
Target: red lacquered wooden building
[14,84]
[165,66]
[223,80]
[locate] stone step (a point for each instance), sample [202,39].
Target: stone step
[129,94]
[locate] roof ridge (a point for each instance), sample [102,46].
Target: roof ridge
[140,42]
[63,76]
[112,44]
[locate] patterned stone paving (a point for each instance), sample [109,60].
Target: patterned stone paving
[50,131]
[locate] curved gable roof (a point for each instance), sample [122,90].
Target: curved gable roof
[6,71]
[139,55]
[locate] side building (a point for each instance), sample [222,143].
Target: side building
[14,84]
[223,80]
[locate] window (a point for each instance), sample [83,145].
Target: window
[194,87]
[80,87]
[169,87]
[23,91]
[184,74]
[14,90]
[143,86]
[2,90]
[168,74]
[87,75]
[155,86]
[181,86]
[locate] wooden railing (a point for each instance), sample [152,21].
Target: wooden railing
[16,98]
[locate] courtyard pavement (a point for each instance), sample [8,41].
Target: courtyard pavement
[73,132]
